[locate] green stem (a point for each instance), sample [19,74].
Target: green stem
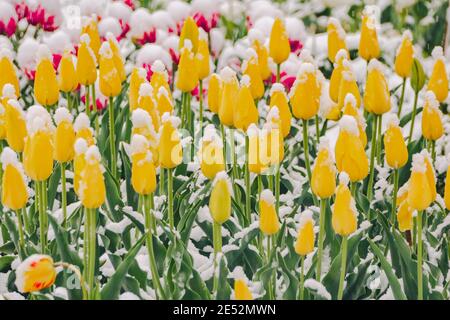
[217,243]
[151,254]
[433,150]
[302,278]
[247,181]
[278,72]
[224,142]
[277,187]
[411,129]
[379,137]
[200,88]
[63,193]
[394,197]
[42,227]
[402,97]
[112,143]
[316,120]
[170,197]
[97,115]
[161,181]
[306,152]
[91,229]
[269,252]
[419,257]
[87,101]
[20,228]
[372,158]
[323,206]
[343,267]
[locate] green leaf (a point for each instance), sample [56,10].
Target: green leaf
[113,196]
[53,183]
[111,290]
[5,262]
[418,76]
[224,289]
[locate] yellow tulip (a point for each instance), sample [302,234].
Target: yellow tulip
[148,103]
[347,86]
[160,78]
[14,184]
[138,77]
[117,56]
[220,199]
[46,87]
[419,192]
[402,193]
[211,153]
[86,62]
[2,122]
[143,173]
[279,47]
[241,290]
[92,184]
[143,125]
[336,39]
[35,273]
[431,177]
[250,68]
[268,218]
[432,127]
[245,112]
[202,57]
[90,28]
[377,98]
[229,96]
[263,59]
[255,163]
[189,32]
[16,129]
[405,56]
[110,82]
[323,180]
[279,98]
[163,101]
[8,74]
[83,130]
[79,162]
[368,42]
[341,64]
[187,76]
[447,189]
[438,82]
[67,74]
[214,93]
[170,151]
[405,217]
[394,144]
[305,237]
[350,155]
[305,93]
[344,217]
[64,137]
[273,137]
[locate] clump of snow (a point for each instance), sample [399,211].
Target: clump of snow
[349,124]
[418,163]
[392,120]
[174,120]
[43,52]
[9,91]
[105,50]
[350,99]
[62,114]
[145,90]
[81,122]
[222,175]
[93,154]
[318,288]
[80,146]
[245,81]
[344,178]
[375,65]
[227,74]
[267,196]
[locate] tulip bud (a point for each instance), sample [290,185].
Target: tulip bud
[143,125]
[279,47]
[35,273]
[163,101]
[241,290]
[170,151]
[368,42]
[92,184]
[143,173]
[447,188]
[138,77]
[16,129]
[64,137]
[251,69]
[350,155]
[405,217]
[268,218]
[305,93]
[347,86]
[229,96]
[255,163]
[202,57]
[189,32]
[323,180]
[90,28]
[67,74]
[211,153]
[376,95]
[220,199]
[187,76]
[394,144]
[148,103]
[245,112]
[438,82]
[279,98]
[214,93]
[305,238]
[83,130]
[110,82]
[405,56]
[402,193]
[431,177]
[273,136]
[419,192]
[38,149]
[336,39]
[14,183]
[257,40]
[344,217]
[86,62]
[8,74]
[341,64]
[79,162]
[432,127]
[117,56]
[160,77]
[46,87]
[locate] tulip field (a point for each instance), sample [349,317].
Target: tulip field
[224,150]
